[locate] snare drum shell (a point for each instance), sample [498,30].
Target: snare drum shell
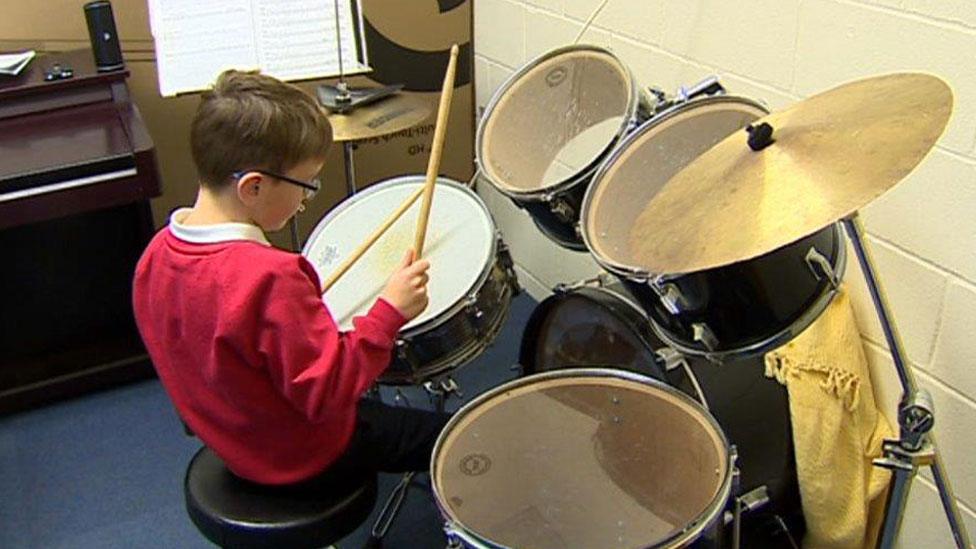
[463,335]
[468,320]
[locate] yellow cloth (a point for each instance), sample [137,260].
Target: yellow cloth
[837,429]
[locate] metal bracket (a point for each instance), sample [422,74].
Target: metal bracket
[560,208]
[701,332]
[670,296]
[597,281]
[822,268]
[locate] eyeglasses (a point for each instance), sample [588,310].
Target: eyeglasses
[311,187]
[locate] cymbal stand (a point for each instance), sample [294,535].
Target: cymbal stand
[915,445]
[438,390]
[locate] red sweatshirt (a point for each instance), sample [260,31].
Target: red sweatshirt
[249,354]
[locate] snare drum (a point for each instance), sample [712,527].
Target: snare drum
[547,128]
[738,310]
[588,458]
[472,280]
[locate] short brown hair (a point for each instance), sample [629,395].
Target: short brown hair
[253,121]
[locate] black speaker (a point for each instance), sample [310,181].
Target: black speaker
[104,39]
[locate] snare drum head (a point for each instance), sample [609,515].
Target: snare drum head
[554,118]
[638,169]
[459,245]
[581,459]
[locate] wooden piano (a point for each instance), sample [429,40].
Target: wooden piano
[77,170]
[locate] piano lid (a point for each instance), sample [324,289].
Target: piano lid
[42,148]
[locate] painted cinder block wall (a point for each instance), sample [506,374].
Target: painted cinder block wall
[922,233]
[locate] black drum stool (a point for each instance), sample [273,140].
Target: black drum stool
[233,512]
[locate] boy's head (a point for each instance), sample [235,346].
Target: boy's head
[252,128]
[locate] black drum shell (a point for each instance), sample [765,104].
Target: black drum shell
[752,306]
[752,410]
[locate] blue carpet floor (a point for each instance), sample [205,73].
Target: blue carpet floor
[106,470]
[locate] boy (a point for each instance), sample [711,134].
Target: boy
[237,330]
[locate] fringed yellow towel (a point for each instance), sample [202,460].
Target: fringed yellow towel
[837,429]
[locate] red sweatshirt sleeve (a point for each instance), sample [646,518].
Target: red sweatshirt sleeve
[318,368]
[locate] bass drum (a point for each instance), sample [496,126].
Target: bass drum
[602,324]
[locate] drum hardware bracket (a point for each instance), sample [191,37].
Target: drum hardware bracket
[507,264]
[440,389]
[670,296]
[560,208]
[757,498]
[673,359]
[822,268]
[709,86]
[705,335]
[597,281]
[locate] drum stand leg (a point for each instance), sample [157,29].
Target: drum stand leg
[439,391]
[347,148]
[915,445]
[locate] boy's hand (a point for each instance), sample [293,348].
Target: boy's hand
[407,288]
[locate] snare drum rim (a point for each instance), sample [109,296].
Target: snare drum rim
[712,512]
[629,271]
[631,117]
[458,305]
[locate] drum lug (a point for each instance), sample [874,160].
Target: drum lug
[471,304]
[670,296]
[560,208]
[822,268]
[404,354]
[507,264]
[709,86]
[705,335]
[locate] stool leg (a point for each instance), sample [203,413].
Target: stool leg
[391,507]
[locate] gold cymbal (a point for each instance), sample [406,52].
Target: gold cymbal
[384,117]
[832,154]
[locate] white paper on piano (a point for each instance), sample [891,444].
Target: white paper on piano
[288,39]
[13,63]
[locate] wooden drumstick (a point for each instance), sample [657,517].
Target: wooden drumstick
[370,240]
[434,164]
[435,153]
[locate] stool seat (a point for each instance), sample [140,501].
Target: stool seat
[233,512]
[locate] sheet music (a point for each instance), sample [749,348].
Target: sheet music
[288,39]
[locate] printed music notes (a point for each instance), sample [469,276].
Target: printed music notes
[288,39]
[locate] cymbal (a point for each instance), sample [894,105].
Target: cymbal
[384,117]
[832,155]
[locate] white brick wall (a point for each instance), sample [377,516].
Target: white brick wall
[922,234]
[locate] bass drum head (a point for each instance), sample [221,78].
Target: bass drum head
[603,325]
[575,459]
[640,166]
[460,245]
[588,326]
[555,118]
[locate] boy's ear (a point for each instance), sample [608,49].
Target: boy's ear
[249,187]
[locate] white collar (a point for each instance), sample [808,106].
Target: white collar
[217,232]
